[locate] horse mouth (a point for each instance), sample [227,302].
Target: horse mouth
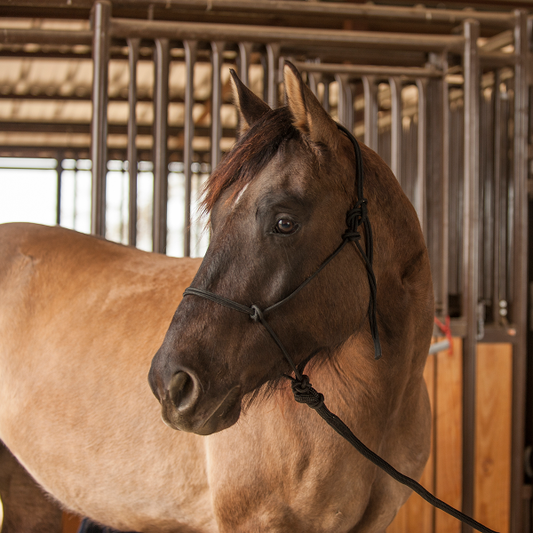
[222,416]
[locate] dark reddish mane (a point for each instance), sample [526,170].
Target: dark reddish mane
[250,155]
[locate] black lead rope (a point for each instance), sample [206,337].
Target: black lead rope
[301,387]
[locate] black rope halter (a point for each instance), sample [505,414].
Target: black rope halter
[301,387]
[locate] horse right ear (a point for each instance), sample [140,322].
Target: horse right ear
[251,107]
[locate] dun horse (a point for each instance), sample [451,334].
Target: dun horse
[81,319]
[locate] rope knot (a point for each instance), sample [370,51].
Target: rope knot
[257,315]
[305,393]
[356,216]
[351,235]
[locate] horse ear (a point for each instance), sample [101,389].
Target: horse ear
[309,115]
[251,107]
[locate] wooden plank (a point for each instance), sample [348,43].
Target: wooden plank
[493,435]
[449,434]
[417,514]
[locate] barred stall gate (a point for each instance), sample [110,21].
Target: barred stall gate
[442,95]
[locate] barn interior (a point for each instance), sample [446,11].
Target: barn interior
[122,108]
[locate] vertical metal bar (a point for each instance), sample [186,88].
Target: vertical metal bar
[499,225]
[370,89]
[59,170]
[191,48]
[313,79]
[435,182]
[421,167]
[217,48]
[133,57]
[272,73]
[445,244]
[161,67]
[326,102]
[101,43]
[396,126]
[470,284]
[345,110]
[245,51]
[520,266]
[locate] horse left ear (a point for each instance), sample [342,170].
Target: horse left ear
[251,107]
[309,115]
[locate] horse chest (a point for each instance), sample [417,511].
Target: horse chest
[281,474]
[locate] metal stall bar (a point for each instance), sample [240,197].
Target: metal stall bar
[191,49]
[313,79]
[217,49]
[520,266]
[343,10]
[470,269]
[101,44]
[161,67]
[39,36]
[335,10]
[245,51]
[370,89]
[500,196]
[272,53]
[421,167]
[133,57]
[384,71]
[345,105]
[445,162]
[59,170]
[395,85]
[124,28]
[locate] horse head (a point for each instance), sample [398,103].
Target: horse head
[277,204]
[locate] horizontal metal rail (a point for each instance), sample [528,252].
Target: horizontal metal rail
[368,70]
[334,10]
[205,32]
[40,36]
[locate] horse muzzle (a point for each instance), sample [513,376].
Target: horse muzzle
[184,406]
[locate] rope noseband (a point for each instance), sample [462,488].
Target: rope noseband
[301,387]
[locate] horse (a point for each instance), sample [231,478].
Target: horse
[81,319]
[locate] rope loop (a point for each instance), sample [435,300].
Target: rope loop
[305,393]
[257,315]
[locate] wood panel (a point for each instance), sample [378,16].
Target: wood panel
[449,435]
[418,515]
[442,476]
[493,435]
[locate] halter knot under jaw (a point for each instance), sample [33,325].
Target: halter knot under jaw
[305,393]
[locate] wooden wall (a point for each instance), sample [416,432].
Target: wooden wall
[442,475]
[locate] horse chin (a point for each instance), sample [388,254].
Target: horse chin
[222,416]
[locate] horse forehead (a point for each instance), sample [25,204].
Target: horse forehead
[289,171]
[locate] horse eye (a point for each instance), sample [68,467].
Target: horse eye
[285,226]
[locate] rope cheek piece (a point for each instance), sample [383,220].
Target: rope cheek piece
[301,387]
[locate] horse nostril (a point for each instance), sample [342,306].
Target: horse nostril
[182,390]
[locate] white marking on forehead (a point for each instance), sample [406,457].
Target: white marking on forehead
[239,196]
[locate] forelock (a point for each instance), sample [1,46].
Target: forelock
[250,155]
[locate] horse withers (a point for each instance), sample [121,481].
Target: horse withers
[81,318]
